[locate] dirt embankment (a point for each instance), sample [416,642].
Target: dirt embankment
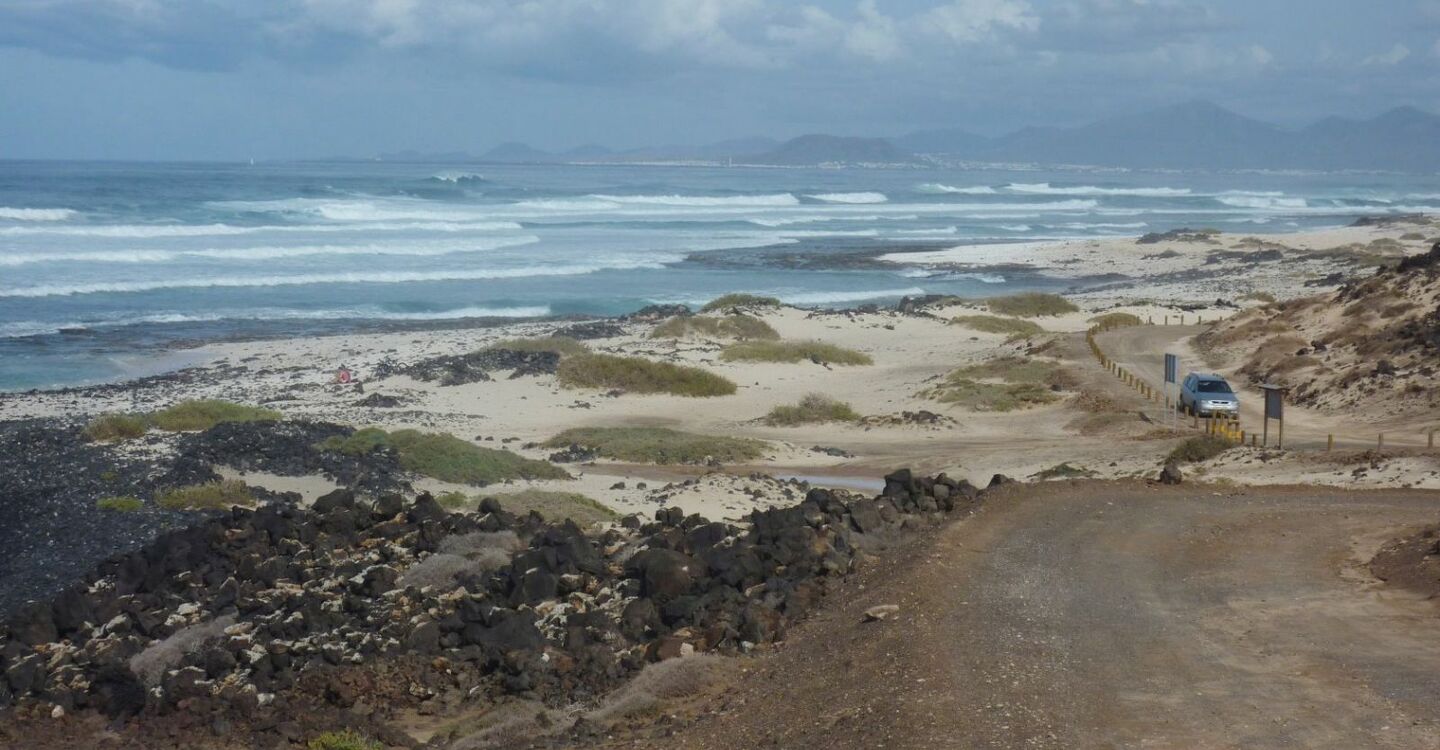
[1371,347]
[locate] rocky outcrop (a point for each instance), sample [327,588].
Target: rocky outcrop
[258,611]
[475,367]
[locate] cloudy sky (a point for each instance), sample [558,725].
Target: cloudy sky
[225,79]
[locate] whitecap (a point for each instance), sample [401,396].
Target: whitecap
[1045,188]
[936,188]
[774,199]
[826,298]
[1268,203]
[853,198]
[458,177]
[36,214]
[1015,227]
[267,252]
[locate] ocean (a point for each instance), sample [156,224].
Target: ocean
[104,265]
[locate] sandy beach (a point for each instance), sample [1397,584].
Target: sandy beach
[1184,278]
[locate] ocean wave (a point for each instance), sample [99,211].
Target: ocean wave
[1263,202]
[1015,227]
[826,298]
[936,188]
[153,231]
[362,211]
[1082,226]
[36,214]
[457,177]
[853,198]
[837,233]
[935,231]
[358,277]
[1045,188]
[20,329]
[265,252]
[774,199]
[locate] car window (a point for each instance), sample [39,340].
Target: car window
[1214,386]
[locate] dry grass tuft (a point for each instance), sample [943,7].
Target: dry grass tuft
[639,375]
[818,352]
[660,684]
[740,327]
[659,445]
[812,408]
[164,655]
[1031,305]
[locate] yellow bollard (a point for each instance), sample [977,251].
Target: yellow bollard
[1330,443]
[1381,442]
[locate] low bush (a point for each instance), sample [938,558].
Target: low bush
[452,500]
[473,554]
[110,428]
[742,327]
[1014,328]
[813,408]
[658,684]
[161,656]
[1063,471]
[125,504]
[1116,320]
[1199,448]
[220,495]
[1019,370]
[1001,397]
[739,300]
[639,375]
[1031,305]
[193,416]
[555,506]
[446,457]
[818,352]
[658,445]
[345,739]
[562,345]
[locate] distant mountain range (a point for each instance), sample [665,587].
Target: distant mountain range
[1194,135]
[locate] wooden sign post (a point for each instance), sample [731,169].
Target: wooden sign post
[1274,409]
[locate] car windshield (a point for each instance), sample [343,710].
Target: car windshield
[1213,386]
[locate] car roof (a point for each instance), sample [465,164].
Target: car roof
[1204,376]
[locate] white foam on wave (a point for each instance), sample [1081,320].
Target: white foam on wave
[1011,252]
[457,177]
[357,277]
[935,188]
[1262,202]
[36,214]
[266,252]
[937,231]
[773,199]
[836,233]
[23,328]
[153,231]
[1082,226]
[826,298]
[853,198]
[1015,227]
[1045,188]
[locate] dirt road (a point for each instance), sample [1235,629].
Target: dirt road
[1103,615]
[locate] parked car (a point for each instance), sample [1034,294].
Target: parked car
[1208,395]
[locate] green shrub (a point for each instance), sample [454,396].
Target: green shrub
[794,351]
[124,504]
[190,416]
[562,345]
[557,506]
[973,394]
[1064,471]
[347,739]
[109,428]
[813,408]
[1031,305]
[212,496]
[452,500]
[741,327]
[446,457]
[1199,448]
[1019,370]
[739,300]
[639,375]
[1116,320]
[659,445]
[1011,327]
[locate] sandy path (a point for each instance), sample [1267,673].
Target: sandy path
[1087,615]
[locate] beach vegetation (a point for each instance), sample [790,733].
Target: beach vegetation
[556,506]
[659,445]
[1031,305]
[446,457]
[1064,471]
[124,504]
[220,495]
[112,428]
[1012,328]
[1117,320]
[452,500]
[818,352]
[640,375]
[743,327]
[1199,448]
[1031,370]
[813,408]
[739,300]
[194,416]
[345,739]
[562,345]
[999,397]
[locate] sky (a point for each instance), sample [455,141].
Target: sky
[277,79]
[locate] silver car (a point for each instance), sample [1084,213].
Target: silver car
[1208,395]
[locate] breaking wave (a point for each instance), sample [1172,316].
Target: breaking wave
[36,214]
[853,198]
[935,188]
[1045,188]
[264,252]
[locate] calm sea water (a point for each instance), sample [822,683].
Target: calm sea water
[102,264]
